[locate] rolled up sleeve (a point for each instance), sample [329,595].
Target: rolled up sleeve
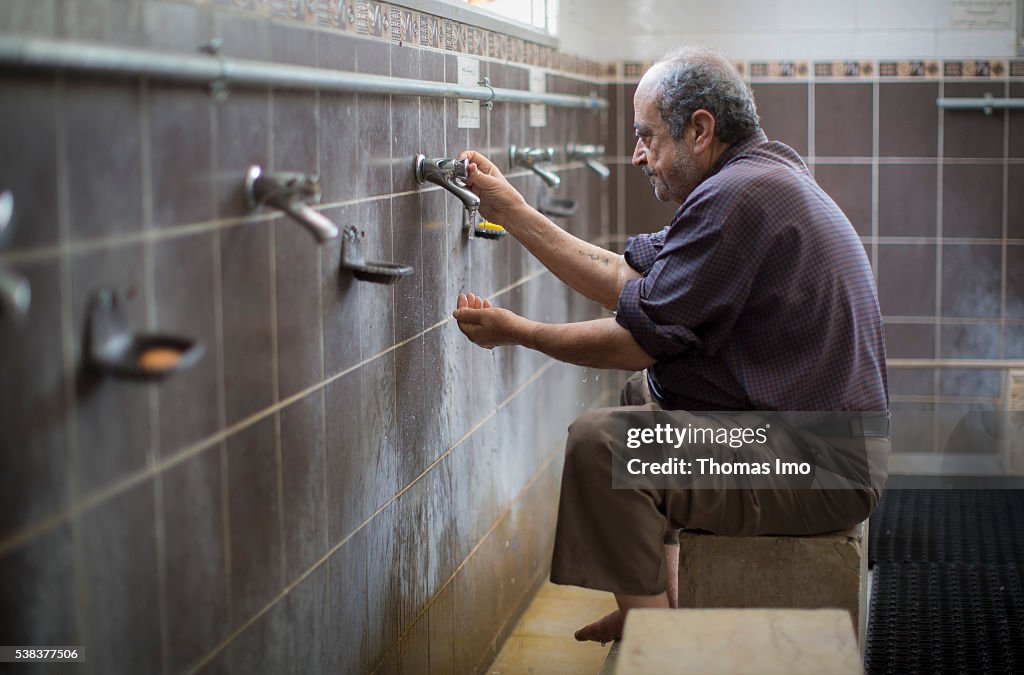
[660,340]
[642,250]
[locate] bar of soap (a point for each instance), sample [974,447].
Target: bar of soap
[159,358]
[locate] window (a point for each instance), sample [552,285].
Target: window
[532,20]
[540,14]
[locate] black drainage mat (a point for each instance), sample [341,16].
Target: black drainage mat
[938,618]
[974,527]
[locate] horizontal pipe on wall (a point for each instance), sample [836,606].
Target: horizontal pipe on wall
[987,103]
[958,364]
[39,53]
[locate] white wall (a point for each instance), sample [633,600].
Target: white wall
[614,30]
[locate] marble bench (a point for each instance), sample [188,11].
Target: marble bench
[739,642]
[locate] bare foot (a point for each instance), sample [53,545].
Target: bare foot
[605,629]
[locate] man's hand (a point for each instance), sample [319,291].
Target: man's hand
[483,324]
[499,201]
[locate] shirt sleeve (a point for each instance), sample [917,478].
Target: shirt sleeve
[693,290]
[642,250]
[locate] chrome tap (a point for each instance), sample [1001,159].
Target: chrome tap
[531,159]
[451,174]
[589,154]
[15,292]
[286,191]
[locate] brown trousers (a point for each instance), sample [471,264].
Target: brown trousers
[613,539]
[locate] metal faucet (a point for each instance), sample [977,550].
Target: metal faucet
[15,292]
[531,158]
[589,154]
[451,174]
[286,191]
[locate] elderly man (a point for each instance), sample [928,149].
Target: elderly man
[756,297]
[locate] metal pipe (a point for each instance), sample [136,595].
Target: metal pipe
[959,364]
[988,103]
[39,53]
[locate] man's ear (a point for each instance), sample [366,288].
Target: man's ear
[703,124]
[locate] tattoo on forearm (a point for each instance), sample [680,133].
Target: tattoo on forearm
[596,257]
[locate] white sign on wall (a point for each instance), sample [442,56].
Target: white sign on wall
[984,14]
[538,111]
[469,111]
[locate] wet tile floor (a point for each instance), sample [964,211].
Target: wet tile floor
[543,640]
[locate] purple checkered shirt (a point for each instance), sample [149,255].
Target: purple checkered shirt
[758,295]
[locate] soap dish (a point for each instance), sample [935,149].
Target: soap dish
[112,348]
[352,258]
[557,208]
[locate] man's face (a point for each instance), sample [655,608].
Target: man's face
[673,170]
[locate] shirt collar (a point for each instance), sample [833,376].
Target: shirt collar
[737,149]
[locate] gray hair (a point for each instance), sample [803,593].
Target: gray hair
[696,78]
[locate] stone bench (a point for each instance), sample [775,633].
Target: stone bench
[828,570]
[739,642]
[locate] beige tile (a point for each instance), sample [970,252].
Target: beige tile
[534,655]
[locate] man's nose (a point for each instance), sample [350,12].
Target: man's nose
[639,156]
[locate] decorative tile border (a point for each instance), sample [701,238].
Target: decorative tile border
[844,69]
[929,69]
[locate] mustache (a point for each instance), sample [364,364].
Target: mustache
[647,171]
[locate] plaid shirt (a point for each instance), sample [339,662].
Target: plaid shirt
[758,295]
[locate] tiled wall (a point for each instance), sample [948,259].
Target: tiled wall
[935,196]
[343,483]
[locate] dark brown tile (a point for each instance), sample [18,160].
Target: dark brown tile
[184,292]
[457,402]
[1015,285]
[437,303]
[907,200]
[972,133]
[37,591]
[33,448]
[442,632]
[376,301]
[910,341]
[912,427]
[349,500]
[374,119]
[340,164]
[298,286]
[906,279]
[97,21]
[966,428]
[180,171]
[103,129]
[971,281]
[1016,122]
[842,120]
[173,27]
[410,397]
[194,549]
[243,139]
[340,299]
[908,119]
[384,596]
[262,646]
[379,428]
[243,37]
[303,462]
[972,201]
[415,649]
[294,140]
[1015,202]
[29,134]
[347,640]
[1013,342]
[255,537]
[783,112]
[849,185]
[409,307]
[245,298]
[405,121]
[112,415]
[295,46]
[120,574]
[29,17]
[970,341]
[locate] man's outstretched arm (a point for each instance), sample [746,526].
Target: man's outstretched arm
[590,270]
[601,343]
